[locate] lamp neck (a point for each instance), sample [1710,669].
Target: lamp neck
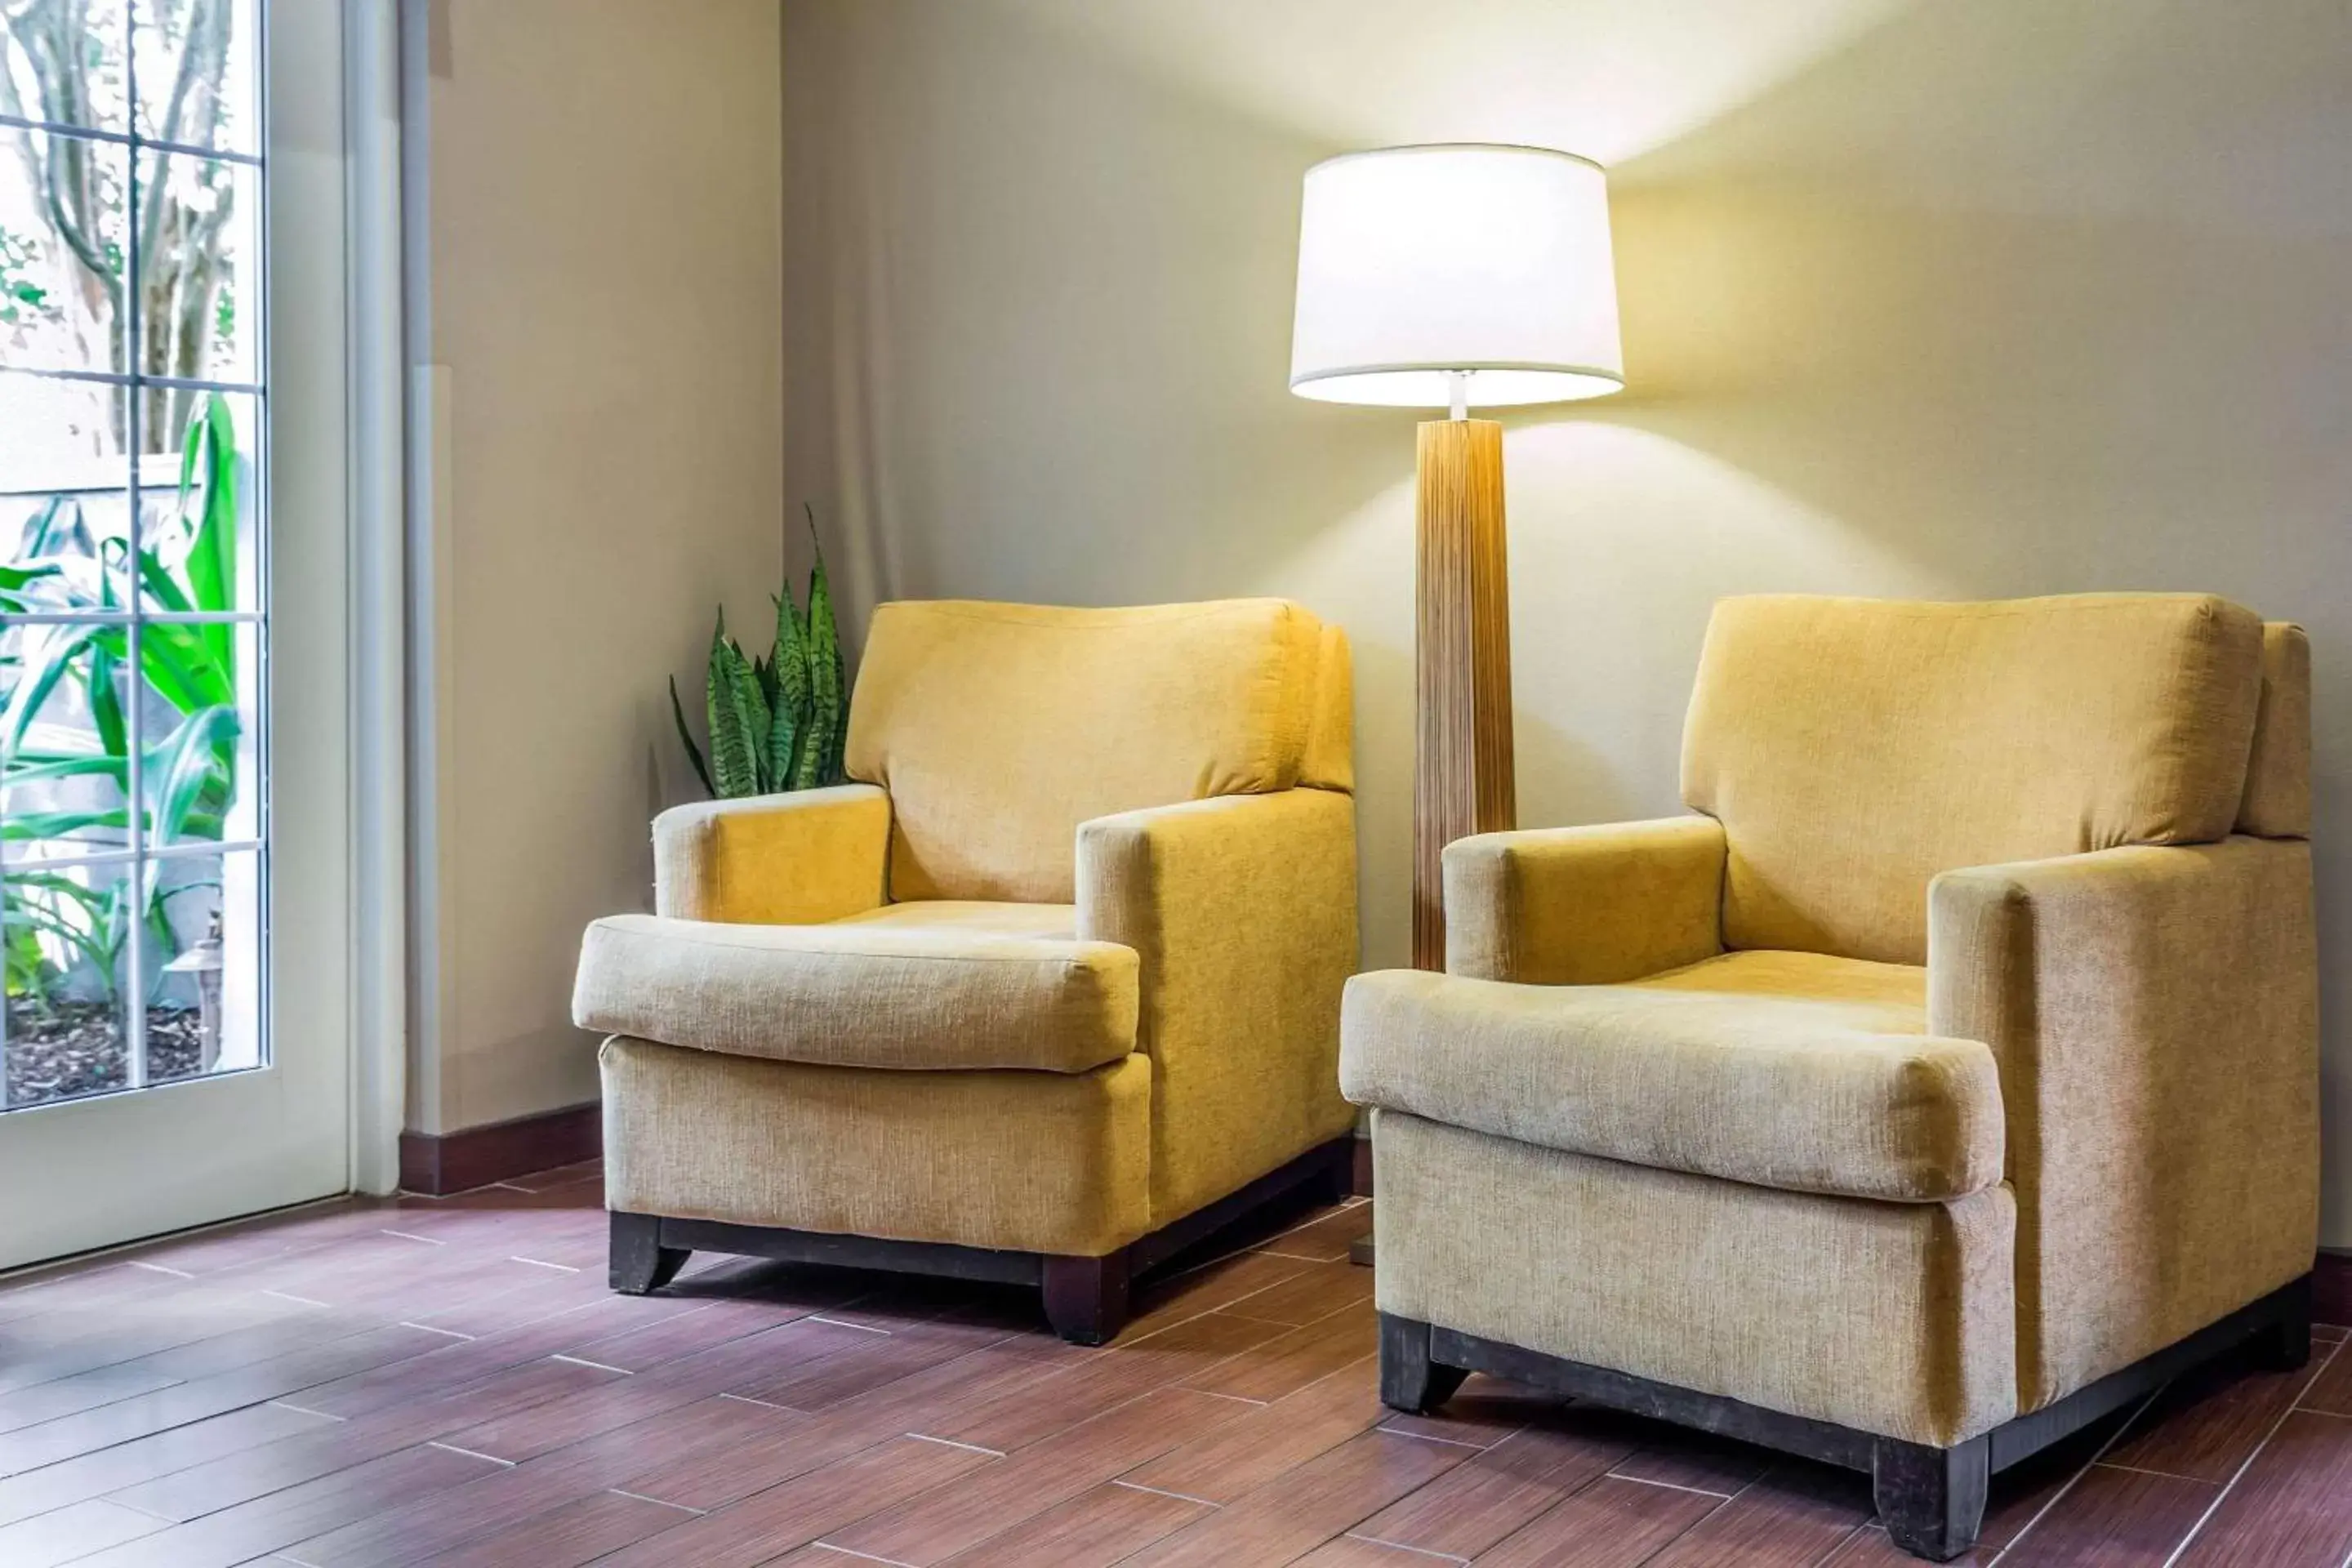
[1457,388]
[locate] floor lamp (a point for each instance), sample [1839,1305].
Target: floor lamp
[1439,277]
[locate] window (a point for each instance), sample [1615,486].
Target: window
[133,810]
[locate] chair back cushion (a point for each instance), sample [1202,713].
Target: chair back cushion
[997,728]
[1329,760]
[2277,801]
[1855,747]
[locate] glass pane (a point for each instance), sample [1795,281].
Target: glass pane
[65,741]
[64,511]
[195,63]
[204,956]
[201,732]
[68,947]
[199,239]
[62,435]
[67,63]
[196,509]
[62,244]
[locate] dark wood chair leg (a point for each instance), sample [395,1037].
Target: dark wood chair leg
[1932,1500]
[1410,1380]
[2284,1345]
[640,1263]
[1086,1297]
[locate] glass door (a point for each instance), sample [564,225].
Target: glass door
[171,551]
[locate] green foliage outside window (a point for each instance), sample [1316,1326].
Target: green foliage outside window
[189,774]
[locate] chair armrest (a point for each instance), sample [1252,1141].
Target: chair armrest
[1677,1080]
[1584,906]
[2153,1012]
[773,859]
[858,996]
[1242,910]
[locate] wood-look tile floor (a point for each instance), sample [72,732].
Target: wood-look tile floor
[448,1381]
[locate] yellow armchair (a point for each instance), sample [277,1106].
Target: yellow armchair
[1948,1082]
[1047,992]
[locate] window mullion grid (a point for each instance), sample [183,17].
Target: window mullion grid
[109,378]
[137,861]
[134,1012]
[56,128]
[122,618]
[192,850]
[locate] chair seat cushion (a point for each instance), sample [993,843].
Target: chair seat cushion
[1794,1070]
[910,986]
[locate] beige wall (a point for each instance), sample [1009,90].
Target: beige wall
[598,436]
[2009,297]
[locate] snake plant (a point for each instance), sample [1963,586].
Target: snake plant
[776,722]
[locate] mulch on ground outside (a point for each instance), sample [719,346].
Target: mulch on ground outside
[69,1049]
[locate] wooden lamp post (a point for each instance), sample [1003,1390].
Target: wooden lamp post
[1438,277]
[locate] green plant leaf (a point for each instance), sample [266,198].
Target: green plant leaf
[734,767]
[783,745]
[87,943]
[201,671]
[820,748]
[765,689]
[179,770]
[70,583]
[765,669]
[212,555]
[47,654]
[693,751]
[106,701]
[60,530]
[118,767]
[160,586]
[743,687]
[15,580]
[31,756]
[34,825]
[180,663]
[789,712]
[52,882]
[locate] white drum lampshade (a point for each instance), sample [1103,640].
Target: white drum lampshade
[1418,263]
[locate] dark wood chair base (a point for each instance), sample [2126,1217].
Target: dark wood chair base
[2285,1344]
[1411,1380]
[1931,1500]
[1085,1299]
[640,1263]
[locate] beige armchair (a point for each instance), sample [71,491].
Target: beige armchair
[1950,1081]
[1050,992]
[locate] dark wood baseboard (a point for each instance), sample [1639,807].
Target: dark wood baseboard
[1329,1165]
[1931,1497]
[1359,1251]
[440,1163]
[2331,1288]
[1085,1299]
